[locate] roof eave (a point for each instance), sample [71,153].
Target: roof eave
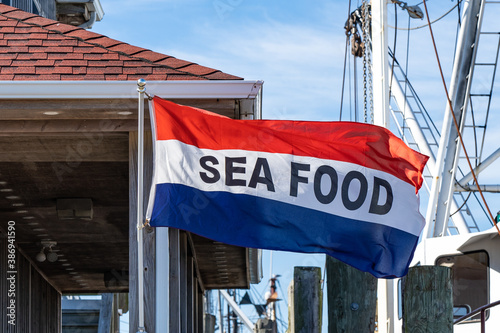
[238,89]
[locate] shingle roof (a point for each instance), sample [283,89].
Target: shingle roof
[36,48]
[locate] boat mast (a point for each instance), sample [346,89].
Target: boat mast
[379,62]
[438,210]
[411,122]
[381,117]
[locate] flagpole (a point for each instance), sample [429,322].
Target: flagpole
[141,88]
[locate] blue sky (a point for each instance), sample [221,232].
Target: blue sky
[296,47]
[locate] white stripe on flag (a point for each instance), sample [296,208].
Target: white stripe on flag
[179,163]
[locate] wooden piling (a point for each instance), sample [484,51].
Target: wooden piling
[352,298]
[305,300]
[428,300]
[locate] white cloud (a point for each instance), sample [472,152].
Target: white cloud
[296,62]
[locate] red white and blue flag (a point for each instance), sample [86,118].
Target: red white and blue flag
[349,190]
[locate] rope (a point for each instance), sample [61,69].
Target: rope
[345,60]
[393,49]
[406,72]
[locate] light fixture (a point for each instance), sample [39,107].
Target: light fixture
[51,255]
[41,256]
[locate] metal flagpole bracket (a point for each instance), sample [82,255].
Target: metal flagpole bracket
[141,88]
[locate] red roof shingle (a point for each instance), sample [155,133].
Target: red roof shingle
[36,48]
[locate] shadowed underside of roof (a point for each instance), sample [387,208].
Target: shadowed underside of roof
[35,48]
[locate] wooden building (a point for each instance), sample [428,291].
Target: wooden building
[68,141]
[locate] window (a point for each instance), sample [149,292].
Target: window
[470,281]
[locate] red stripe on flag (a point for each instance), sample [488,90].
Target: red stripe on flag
[363,144]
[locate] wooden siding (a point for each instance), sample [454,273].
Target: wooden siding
[38,303]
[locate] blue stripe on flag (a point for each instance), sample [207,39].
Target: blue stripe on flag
[250,221]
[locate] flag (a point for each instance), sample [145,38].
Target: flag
[346,189]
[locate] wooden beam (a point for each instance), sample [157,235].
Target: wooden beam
[199,303]
[174,291]
[70,149]
[115,317]
[68,109]
[8,127]
[149,241]
[43,109]
[105,313]
[149,275]
[190,298]
[196,327]
[183,292]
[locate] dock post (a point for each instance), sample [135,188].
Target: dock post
[352,298]
[428,300]
[305,300]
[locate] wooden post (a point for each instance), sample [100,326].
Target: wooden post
[183,300]
[106,313]
[305,300]
[115,317]
[352,298]
[175,283]
[190,293]
[428,300]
